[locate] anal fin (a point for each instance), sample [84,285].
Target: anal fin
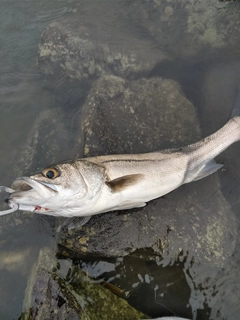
[74,222]
[209,168]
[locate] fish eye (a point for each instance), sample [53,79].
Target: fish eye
[51,173]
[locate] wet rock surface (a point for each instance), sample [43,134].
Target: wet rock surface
[145,115]
[122,116]
[62,293]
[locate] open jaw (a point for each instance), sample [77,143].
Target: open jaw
[24,191]
[44,189]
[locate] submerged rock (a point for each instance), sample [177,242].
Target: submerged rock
[62,293]
[76,49]
[189,28]
[194,221]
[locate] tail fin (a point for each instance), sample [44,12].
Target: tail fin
[202,153]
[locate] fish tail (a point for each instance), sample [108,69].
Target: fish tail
[222,139]
[202,153]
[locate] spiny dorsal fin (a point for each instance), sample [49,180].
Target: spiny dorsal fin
[123,182]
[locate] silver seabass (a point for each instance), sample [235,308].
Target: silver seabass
[94,185]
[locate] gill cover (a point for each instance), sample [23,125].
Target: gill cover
[93,175]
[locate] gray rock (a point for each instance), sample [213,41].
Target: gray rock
[45,297]
[194,221]
[136,116]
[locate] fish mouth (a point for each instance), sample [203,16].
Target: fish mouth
[44,189]
[23,192]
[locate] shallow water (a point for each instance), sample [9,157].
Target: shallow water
[158,288]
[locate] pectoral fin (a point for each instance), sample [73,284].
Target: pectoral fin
[124,182]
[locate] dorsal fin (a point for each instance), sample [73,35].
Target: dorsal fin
[123,182]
